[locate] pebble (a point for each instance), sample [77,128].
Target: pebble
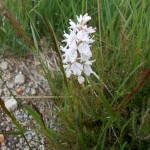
[4,65]
[20,140]
[14,77]
[27,90]
[10,85]
[5,91]
[11,69]
[19,90]
[1,138]
[3,146]
[18,117]
[29,137]
[33,91]
[11,104]
[8,128]
[18,145]
[20,79]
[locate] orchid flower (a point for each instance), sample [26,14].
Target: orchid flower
[77,53]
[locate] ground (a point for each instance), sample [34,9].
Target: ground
[25,78]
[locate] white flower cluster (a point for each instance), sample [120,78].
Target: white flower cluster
[76,54]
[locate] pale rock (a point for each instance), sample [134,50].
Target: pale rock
[10,85]
[4,65]
[27,90]
[8,128]
[11,104]
[6,92]
[20,79]
[11,69]
[33,91]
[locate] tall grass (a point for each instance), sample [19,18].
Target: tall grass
[110,113]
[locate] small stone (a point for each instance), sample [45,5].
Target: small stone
[32,143]
[8,128]
[3,146]
[19,90]
[27,90]
[18,145]
[11,68]
[29,137]
[6,92]
[1,138]
[21,140]
[10,85]
[19,117]
[4,65]
[30,84]
[11,104]
[33,91]
[20,79]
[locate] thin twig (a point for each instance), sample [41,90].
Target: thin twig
[38,97]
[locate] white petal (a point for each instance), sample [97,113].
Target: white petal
[80,79]
[67,36]
[86,54]
[79,19]
[72,25]
[68,73]
[72,55]
[89,62]
[82,35]
[87,70]
[84,57]
[90,30]
[67,70]
[64,49]
[86,18]
[70,39]
[76,68]
[83,47]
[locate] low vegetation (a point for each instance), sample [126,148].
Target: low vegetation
[112,112]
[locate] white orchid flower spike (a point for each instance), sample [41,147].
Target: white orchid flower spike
[77,53]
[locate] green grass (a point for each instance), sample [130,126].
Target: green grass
[110,113]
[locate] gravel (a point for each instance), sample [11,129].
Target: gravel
[23,78]
[17,142]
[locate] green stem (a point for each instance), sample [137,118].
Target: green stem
[26,141]
[100,39]
[83,2]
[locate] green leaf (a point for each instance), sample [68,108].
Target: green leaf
[34,114]
[105,102]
